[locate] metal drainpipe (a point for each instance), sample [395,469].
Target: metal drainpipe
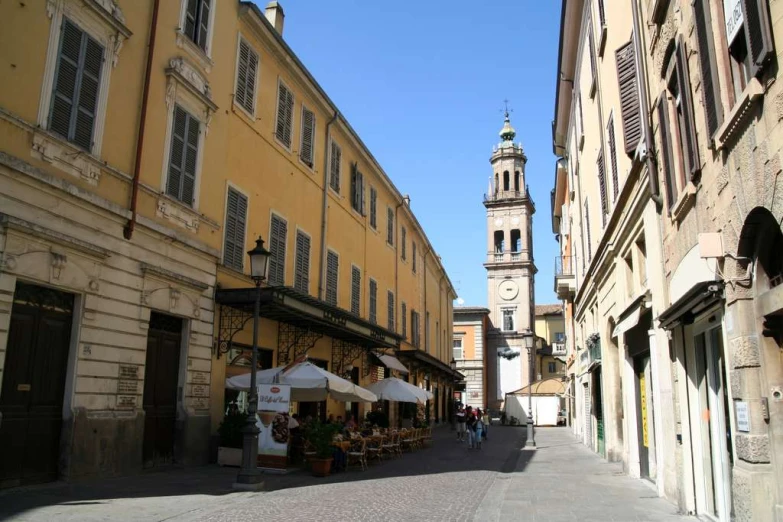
[131,225]
[652,169]
[324,205]
[426,322]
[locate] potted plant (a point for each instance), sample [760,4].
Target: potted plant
[230,433]
[320,437]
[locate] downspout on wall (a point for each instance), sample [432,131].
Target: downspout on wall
[324,206]
[406,199]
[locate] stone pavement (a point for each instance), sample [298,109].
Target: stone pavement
[562,480]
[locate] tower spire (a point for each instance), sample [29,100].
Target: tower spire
[507,133]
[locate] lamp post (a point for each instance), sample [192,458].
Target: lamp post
[529,340]
[249,477]
[452,413]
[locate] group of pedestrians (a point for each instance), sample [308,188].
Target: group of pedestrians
[471,426]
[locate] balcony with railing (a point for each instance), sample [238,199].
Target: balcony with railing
[565,279]
[500,196]
[558,349]
[509,256]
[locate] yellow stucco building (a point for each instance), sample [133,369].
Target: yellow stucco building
[550,341]
[144,146]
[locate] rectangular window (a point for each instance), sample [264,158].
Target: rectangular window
[332,268]
[415,332]
[197,21]
[302,267]
[373,301]
[183,156]
[602,186]
[552,367]
[587,229]
[307,147]
[594,75]
[390,309]
[613,157]
[627,78]
[373,208]
[404,319]
[234,241]
[76,86]
[427,331]
[404,241]
[357,190]
[667,157]
[414,257]
[285,114]
[559,337]
[335,155]
[457,352]
[710,86]
[277,244]
[356,290]
[247,68]
[389,225]
[508,320]
[601,13]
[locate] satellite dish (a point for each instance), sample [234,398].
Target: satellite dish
[460,301]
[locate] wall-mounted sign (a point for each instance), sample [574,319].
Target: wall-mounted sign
[743,416]
[732,12]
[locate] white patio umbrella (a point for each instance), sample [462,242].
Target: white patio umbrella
[394,389]
[308,383]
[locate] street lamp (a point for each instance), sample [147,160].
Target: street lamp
[248,475]
[529,340]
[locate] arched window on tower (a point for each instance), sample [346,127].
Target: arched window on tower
[497,182]
[506,181]
[516,181]
[516,241]
[499,242]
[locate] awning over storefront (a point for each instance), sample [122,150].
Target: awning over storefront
[433,362]
[628,322]
[286,305]
[392,363]
[699,297]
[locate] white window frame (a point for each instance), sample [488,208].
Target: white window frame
[250,114]
[184,40]
[196,109]
[461,348]
[101,32]
[233,186]
[288,147]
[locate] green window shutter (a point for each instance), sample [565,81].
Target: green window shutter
[709,79]
[277,246]
[354,187]
[334,167]
[414,257]
[247,69]
[236,217]
[602,186]
[332,267]
[404,320]
[666,149]
[191,14]
[390,309]
[390,226]
[758,34]
[356,288]
[601,13]
[308,134]
[373,208]
[690,145]
[625,58]
[285,110]
[76,86]
[593,72]
[203,24]
[613,154]
[183,156]
[373,301]
[403,239]
[302,269]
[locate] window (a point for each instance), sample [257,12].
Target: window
[415,331]
[403,234]
[602,186]
[594,75]
[500,241]
[183,156]
[457,352]
[601,13]
[307,147]
[234,241]
[516,241]
[552,367]
[508,320]
[390,309]
[627,78]
[335,155]
[285,114]
[247,72]
[332,267]
[404,320]
[277,244]
[373,301]
[389,225]
[302,267]
[559,337]
[613,157]
[356,290]
[427,331]
[710,85]
[197,21]
[506,181]
[357,189]
[517,179]
[373,208]
[76,86]
[414,257]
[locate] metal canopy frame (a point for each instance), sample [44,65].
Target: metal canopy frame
[292,338]
[344,353]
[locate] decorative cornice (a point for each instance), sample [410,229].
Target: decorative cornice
[173,277]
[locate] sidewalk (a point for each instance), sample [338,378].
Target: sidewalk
[563,480]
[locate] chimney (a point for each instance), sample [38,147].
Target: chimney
[274,13]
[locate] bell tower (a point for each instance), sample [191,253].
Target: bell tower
[510,266]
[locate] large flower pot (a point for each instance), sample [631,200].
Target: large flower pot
[229,456]
[321,467]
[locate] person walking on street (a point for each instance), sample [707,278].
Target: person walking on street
[461,418]
[471,427]
[479,428]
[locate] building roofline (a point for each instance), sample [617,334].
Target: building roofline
[471,310]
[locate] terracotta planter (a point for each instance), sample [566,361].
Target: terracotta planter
[321,467]
[229,456]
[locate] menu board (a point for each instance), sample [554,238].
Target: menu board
[273,404]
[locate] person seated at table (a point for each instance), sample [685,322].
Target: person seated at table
[340,422]
[330,419]
[350,423]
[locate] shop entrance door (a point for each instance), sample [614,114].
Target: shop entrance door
[712,411]
[31,399]
[643,413]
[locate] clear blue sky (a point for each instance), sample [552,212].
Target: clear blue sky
[423,84]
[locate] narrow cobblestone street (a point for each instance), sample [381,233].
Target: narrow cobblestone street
[561,480]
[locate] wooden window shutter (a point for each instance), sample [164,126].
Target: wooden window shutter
[302,269]
[414,257]
[306,151]
[334,167]
[277,247]
[332,267]
[709,80]
[587,232]
[625,58]
[247,68]
[593,86]
[404,320]
[285,108]
[373,208]
[665,154]
[601,13]
[354,187]
[191,14]
[356,288]
[686,100]
[390,226]
[236,217]
[373,301]
[203,29]
[183,156]
[191,160]
[390,309]
[758,34]
[403,233]
[602,185]
[613,158]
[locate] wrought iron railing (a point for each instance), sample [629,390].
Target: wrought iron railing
[564,266]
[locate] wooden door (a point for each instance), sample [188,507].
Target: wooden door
[161,376]
[31,400]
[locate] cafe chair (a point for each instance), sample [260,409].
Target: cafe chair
[357,453]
